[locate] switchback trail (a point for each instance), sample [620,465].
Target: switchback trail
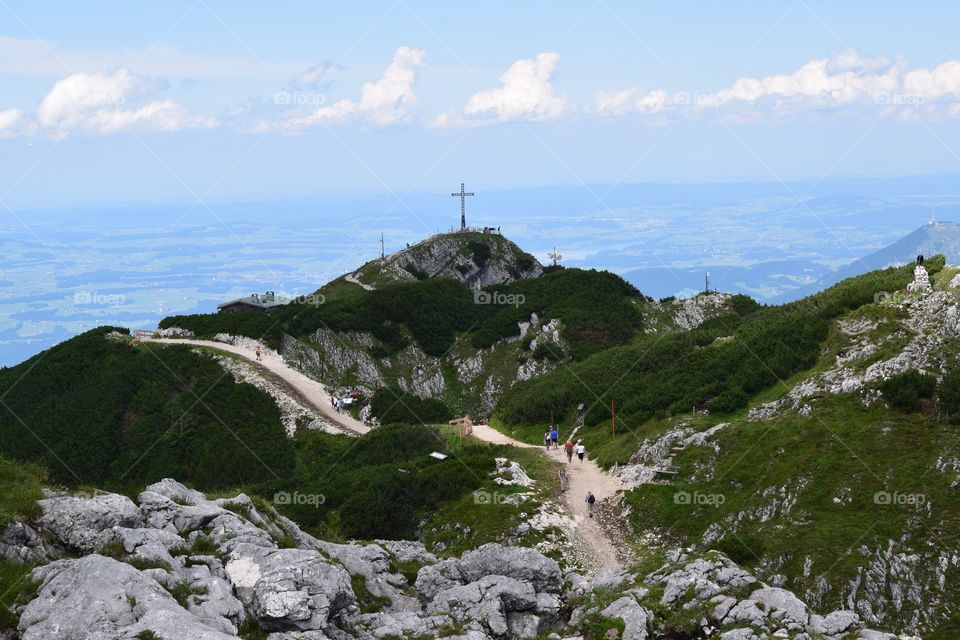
[311,390]
[581,477]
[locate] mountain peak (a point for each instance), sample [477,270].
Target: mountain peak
[475,258]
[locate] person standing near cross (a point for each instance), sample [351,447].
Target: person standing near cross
[463,206]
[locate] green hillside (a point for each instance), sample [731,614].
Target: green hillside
[598,309]
[719,365]
[94,410]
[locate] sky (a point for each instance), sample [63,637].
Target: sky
[207,101]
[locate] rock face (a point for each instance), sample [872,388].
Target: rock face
[931,319]
[343,360]
[475,259]
[175,565]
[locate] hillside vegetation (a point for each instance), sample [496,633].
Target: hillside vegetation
[719,365]
[596,307]
[93,410]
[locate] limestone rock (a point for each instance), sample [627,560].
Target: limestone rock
[98,598]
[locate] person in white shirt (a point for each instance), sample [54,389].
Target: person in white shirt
[581,451]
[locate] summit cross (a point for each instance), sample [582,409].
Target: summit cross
[463,206]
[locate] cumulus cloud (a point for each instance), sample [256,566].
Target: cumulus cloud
[525,93]
[942,80]
[9,119]
[107,103]
[828,81]
[386,101]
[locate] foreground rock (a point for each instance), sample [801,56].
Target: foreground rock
[176,565]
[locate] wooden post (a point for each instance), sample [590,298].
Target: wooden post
[613,422]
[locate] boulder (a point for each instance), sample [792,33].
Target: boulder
[489,603]
[289,589]
[77,523]
[777,600]
[836,623]
[98,598]
[526,565]
[636,619]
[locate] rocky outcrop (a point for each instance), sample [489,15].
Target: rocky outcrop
[176,565]
[931,319]
[460,256]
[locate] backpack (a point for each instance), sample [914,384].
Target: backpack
[591,499]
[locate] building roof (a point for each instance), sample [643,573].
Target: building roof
[267,300]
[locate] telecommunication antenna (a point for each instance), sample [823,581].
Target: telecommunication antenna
[707,282]
[381,245]
[933,216]
[556,257]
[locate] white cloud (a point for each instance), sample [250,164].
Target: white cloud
[100,103]
[386,101]
[618,103]
[828,81]
[525,93]
[943,80]
[9,119]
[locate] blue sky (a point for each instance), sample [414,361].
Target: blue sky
[107,103]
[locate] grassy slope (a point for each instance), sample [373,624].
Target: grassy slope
[20,488]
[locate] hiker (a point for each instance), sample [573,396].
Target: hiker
[568,447]
[562,474]
[546,440]
[581,451]
[591,499]
[554,437]
[259,354]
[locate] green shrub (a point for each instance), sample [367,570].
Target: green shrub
[949,394]
[480,252]
[907,390]
[101,412]
[743,548]
[729,400]
[395,406]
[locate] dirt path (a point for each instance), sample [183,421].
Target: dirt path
[352,277]
[582,477]
[311,390]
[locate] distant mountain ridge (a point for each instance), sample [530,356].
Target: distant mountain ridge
[928,240]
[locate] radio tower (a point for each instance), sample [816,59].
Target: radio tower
[556,257]
[933,216]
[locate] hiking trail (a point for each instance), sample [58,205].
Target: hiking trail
[311,390]
[581,477]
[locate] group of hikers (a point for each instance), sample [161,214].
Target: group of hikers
[551,440]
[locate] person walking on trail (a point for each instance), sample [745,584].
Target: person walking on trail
[562,474]
[581,451]
[546,439]
[259,354]
[591,499]
[568,448]
[554,437]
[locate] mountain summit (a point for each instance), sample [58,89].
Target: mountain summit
[475,258]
